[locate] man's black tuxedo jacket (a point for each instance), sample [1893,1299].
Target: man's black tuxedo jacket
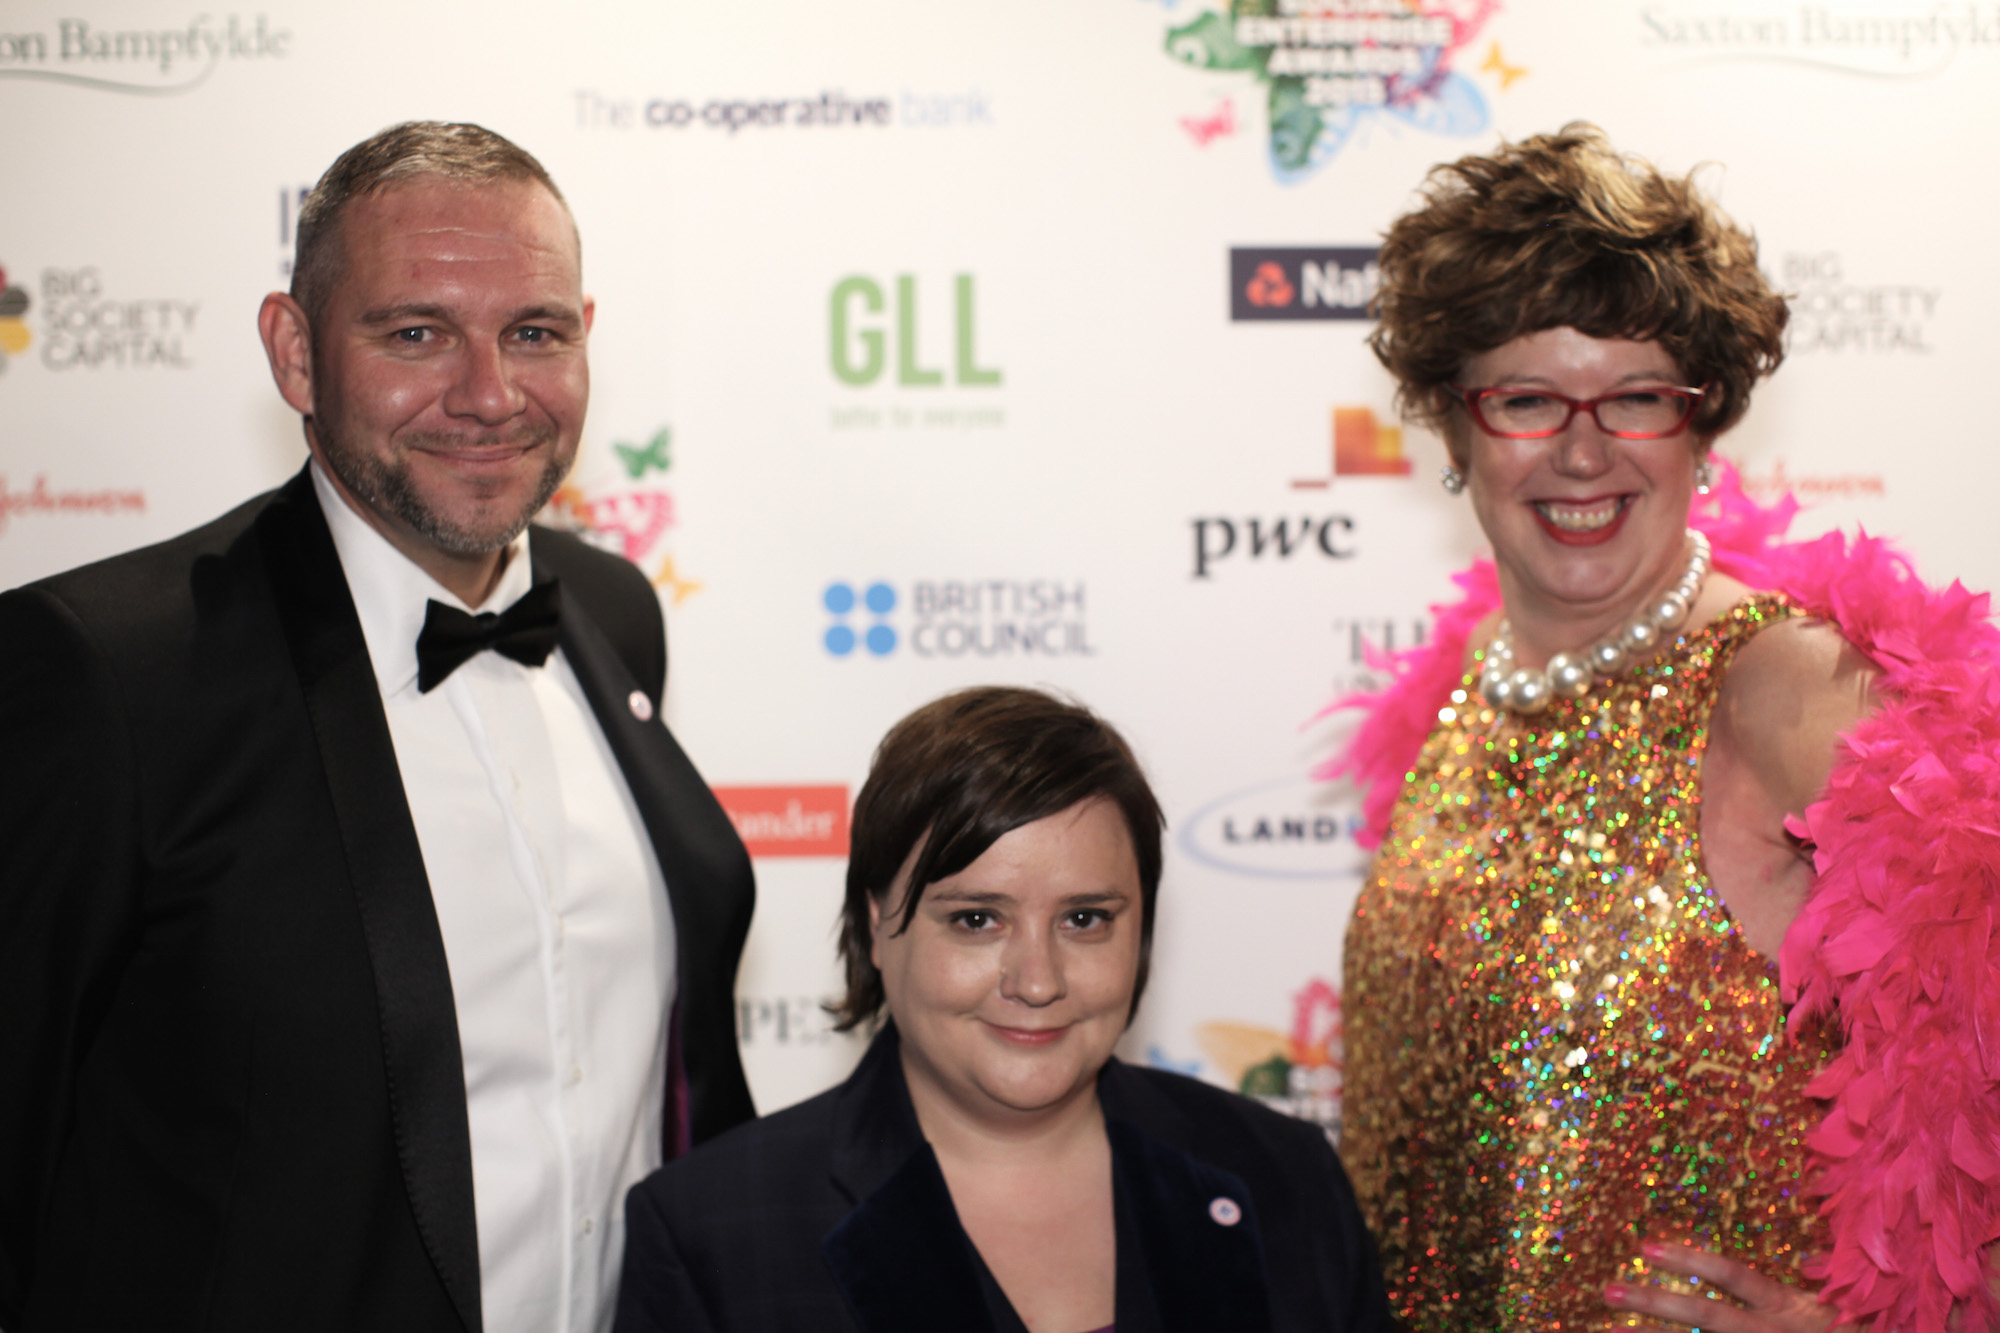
[833,1217]
[231,1093]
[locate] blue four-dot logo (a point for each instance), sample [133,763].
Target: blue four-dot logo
[879,599]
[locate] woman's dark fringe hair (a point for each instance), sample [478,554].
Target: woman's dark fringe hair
[955,776]
[1560,230]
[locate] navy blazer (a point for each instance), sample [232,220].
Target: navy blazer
[231,1091]
[834,1215]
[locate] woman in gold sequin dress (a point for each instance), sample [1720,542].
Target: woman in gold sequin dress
[1566,1048]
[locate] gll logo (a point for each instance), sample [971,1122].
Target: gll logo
[14,335]
[870,630]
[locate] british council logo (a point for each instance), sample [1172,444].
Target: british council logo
[843,637]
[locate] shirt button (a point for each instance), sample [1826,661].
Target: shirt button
[588,1226]
[576,1074]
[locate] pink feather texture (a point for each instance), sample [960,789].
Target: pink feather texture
[1900,937]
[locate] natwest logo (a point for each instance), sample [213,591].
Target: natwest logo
[788,821]
[1317,282]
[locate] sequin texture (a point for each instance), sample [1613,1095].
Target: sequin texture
[1558,1045]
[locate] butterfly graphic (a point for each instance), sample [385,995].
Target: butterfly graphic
[1207,128]
[638,462]
[1498,64]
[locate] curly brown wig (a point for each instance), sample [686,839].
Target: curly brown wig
[1560,230]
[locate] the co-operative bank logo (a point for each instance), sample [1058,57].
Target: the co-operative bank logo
[841,638]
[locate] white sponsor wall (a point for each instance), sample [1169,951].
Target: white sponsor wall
[918,361]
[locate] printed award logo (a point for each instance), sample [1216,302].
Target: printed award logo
[1329,67]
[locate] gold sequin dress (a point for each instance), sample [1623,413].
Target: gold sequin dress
[1557,1043]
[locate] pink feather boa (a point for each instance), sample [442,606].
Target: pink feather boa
[1900,938]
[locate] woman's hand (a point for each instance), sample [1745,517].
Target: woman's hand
[1768,1306]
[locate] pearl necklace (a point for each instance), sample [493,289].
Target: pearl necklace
[1570,675]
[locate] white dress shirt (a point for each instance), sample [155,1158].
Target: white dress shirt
[557,929]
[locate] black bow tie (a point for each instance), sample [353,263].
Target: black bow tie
[525,631]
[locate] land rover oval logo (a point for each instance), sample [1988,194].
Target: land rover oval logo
[1287,828]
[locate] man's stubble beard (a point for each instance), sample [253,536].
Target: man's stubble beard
[386,487]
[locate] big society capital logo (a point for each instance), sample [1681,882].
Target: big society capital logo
[957,618]
[87,323]
[155,60]
[15,336]
[1329,66]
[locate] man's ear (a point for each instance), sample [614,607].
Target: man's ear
[287,335]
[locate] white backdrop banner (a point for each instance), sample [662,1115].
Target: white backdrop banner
[947,344]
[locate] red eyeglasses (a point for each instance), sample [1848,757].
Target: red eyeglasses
[1515,412]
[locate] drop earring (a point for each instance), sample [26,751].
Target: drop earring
[1704,476]
[1452,480]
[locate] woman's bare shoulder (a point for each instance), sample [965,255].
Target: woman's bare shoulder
[1790,692]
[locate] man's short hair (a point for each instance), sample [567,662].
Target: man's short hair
[468,153]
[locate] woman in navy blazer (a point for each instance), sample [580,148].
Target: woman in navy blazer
[989,1165]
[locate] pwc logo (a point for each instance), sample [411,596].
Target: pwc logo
[1310,282]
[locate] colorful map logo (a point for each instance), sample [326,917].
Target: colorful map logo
[1331,65]
[14,335]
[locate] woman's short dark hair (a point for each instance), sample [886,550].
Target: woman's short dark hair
[956,775]
[1559,230]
